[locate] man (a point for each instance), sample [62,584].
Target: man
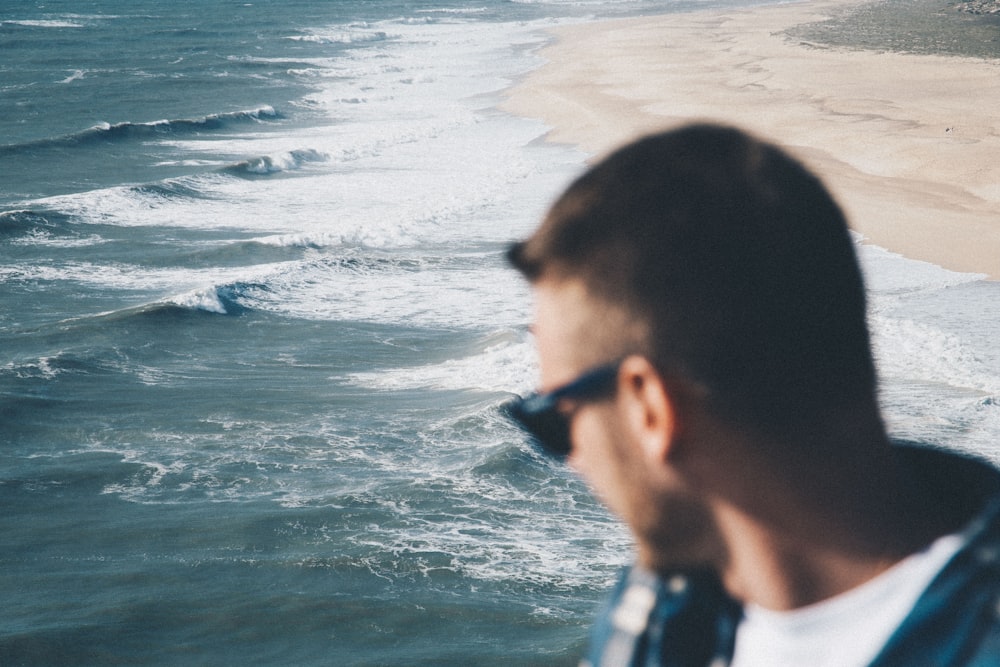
[700,323]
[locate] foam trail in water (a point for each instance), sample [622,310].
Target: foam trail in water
[43,23]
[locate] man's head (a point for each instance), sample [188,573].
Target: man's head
[723,262]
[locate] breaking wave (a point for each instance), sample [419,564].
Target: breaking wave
[266,165]
[129,131]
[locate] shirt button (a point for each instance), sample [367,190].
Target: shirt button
[677,584]
[987,554]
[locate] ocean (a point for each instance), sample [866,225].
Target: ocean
[255,326]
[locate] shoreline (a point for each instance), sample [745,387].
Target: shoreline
[906,143]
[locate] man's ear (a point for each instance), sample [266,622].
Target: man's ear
[650,409]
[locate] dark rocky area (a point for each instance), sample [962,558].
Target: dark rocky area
[969,28]
[980,7]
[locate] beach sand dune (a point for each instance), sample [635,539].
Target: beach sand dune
[909,144]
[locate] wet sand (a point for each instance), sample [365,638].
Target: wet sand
[909,143]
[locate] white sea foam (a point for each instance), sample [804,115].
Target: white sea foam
[348,35]
[568,551]
[190,163]
[935,351]
[505,366]
[42,367]
[406,169]
[453,10]
[41,238]
[43,23]
[75,76]
[205,298]
[449,295]
[889,272]
[188,288]
[909,344]
[918,351]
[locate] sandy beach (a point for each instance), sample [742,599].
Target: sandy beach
[909,144]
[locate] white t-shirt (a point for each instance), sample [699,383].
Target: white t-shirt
[847,630]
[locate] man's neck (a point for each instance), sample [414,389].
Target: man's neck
[778,571]
[799,529]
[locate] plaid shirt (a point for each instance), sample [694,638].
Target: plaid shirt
[687,620]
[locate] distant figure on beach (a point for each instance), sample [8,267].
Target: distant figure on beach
[706,367]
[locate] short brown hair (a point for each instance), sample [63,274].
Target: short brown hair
[736,258]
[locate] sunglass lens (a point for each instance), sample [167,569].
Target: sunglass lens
[548,427]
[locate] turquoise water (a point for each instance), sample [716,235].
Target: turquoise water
[255,326]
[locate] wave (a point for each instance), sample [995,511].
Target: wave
[206,299]
[127,131]
[230,299]
[266,165]
[48,221]
[304,240]
[171,189]
[235,298]
[50,366]
[355,33]
[20,223]
[453,10]
[213,300]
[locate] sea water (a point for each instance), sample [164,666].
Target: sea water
[255,325]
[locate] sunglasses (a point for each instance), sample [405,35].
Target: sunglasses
[539,414]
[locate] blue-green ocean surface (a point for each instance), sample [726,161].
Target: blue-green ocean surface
[255,326]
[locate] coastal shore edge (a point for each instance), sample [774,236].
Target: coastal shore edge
[907,143]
